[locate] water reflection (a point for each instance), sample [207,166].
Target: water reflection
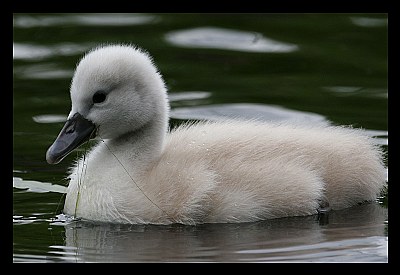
[90,19]
[41,71]
[353,90]
[188,95]
[227,39]
[37,186]
[49,118]
[354,234]
[33,51]
[260,112]
[368,21]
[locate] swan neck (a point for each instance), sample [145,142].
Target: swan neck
[142,145]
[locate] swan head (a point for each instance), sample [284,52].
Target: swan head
[116,89]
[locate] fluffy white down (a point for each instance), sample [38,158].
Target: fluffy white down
[207,172]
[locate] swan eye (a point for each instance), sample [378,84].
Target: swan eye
[99,97]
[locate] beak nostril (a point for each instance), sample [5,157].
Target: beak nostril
[70,129]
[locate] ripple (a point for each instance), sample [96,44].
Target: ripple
[117,19]
[62,220]
[25,220]
[190,95]
[27,51]
[369,21]
[380,137]
[246,111]
[37,186]
[227,39]
[362,250]
[24,258]
[63,250]
[376,133]
[353,90]
[50,118]
[41,71]
[20,171]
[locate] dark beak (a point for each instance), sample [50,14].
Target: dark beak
[76,131]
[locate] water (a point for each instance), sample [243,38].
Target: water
[305,68]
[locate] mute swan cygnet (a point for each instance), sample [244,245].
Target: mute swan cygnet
[207,172]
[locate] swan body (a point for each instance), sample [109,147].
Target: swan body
[205,172]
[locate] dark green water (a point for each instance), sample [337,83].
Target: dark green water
[313,68]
